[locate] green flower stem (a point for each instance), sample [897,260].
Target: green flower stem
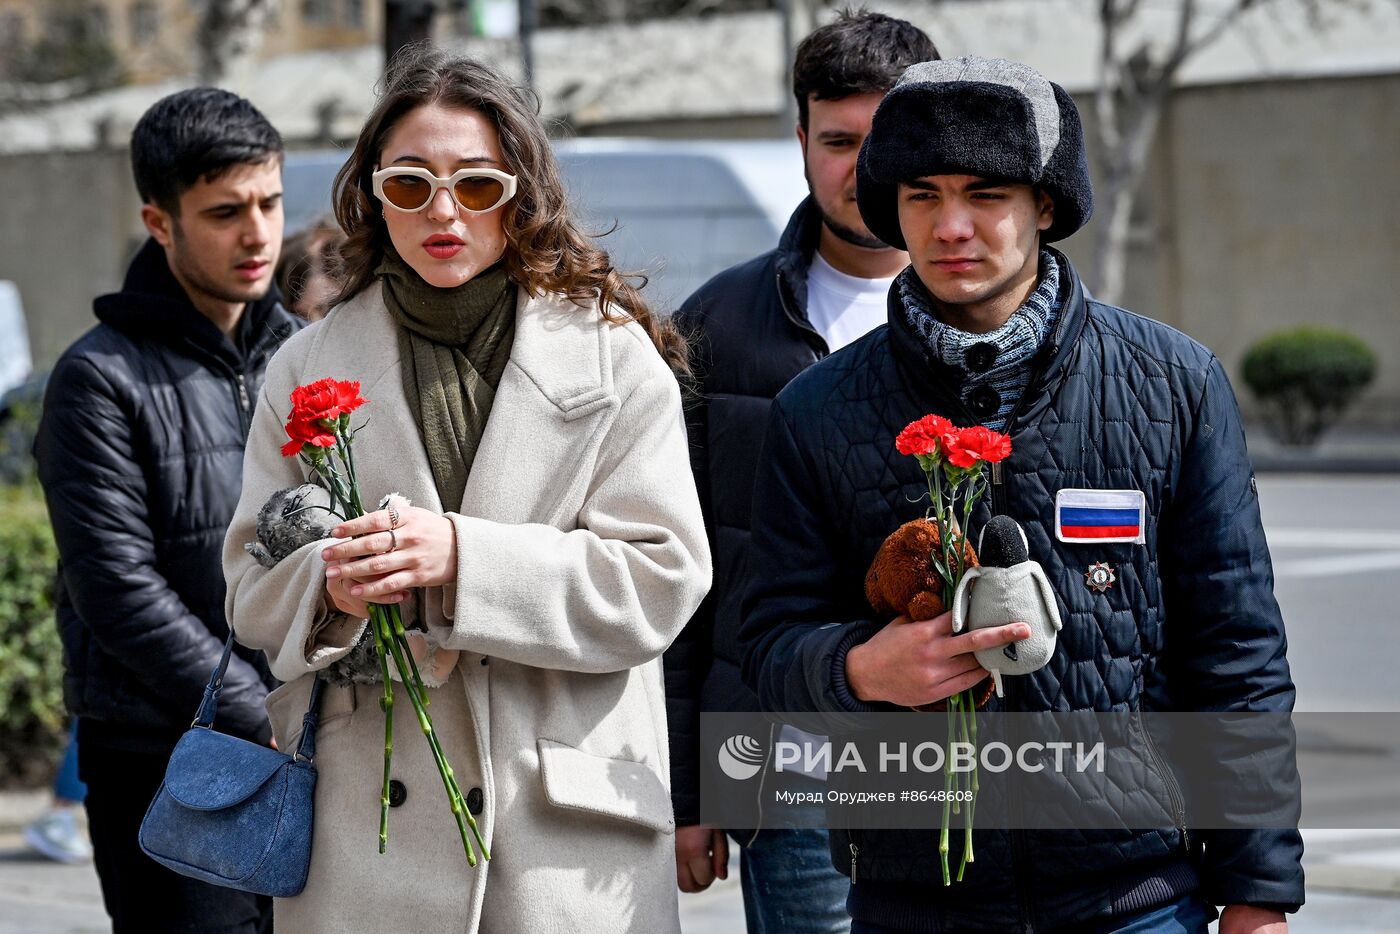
[342,450]
[967,714]
[449,779]
[976,786]
[947,789]
[396,622]
[347,437]
[324,468]
[387,705]
[935,486]
[955,712]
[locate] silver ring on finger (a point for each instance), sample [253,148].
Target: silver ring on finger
[393,543]
[393,518]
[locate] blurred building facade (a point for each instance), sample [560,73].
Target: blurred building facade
[151,40]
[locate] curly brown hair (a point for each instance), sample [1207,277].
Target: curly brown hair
[546,252]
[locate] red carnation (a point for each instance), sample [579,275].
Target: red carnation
[315,407]
[303,433]
[923,436]
[967,446]
[325,399]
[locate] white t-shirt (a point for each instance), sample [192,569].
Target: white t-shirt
[844,308]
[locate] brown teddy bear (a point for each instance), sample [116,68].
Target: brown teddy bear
[902,581]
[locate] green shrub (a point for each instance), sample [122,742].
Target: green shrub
[1306,377]
[33,723]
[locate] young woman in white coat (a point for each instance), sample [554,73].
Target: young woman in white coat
[520,399]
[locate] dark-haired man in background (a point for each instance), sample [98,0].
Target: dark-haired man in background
[140,453]
[754,327]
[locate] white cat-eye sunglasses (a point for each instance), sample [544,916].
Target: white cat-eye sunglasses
[411,188]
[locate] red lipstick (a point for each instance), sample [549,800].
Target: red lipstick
[443,245]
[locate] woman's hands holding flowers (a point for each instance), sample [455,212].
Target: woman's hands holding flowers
[363,569]
[386,553]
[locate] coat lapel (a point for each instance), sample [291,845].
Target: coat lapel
[554,403]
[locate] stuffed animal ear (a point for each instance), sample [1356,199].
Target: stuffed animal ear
[873,594]
[1047,595]
[960,598]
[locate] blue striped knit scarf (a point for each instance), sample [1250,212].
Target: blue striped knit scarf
[1015,342]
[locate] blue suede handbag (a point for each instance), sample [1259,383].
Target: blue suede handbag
[232,812]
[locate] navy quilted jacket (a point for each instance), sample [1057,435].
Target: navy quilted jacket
[1117,402]
[749,335]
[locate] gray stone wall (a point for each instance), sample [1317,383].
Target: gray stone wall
[1273,204]
[71,223]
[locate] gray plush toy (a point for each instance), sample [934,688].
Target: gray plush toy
[291,518]
[300,515]
[1008,588]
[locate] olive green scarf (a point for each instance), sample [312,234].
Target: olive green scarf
[453,344]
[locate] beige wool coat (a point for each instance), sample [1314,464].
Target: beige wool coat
[581,554]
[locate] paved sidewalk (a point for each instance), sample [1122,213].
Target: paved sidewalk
[1353,887]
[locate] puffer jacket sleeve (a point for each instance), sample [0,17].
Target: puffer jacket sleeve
[282,610]
[97,498]
[614,592]
[687,662]
[796,632]
[1227,649]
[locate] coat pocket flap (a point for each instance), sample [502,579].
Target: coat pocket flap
[603,785]
[210,771]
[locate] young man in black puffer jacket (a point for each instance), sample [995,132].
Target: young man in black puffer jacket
[973,165]
[140,452]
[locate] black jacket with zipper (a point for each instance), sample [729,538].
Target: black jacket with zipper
[140,453]
[1117,401]
[749,336]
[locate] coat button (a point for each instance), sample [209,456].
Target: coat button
[475,800]
[984,402]
[398,794]
[980,356]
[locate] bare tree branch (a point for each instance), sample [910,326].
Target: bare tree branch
[1106,124]
[1135,86]
[1208,37]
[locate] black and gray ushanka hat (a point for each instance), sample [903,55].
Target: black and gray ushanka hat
[974,116]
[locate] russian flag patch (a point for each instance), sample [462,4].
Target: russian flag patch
[1102,516]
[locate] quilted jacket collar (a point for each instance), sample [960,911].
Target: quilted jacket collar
[941,384]
[153,305]
[793,258]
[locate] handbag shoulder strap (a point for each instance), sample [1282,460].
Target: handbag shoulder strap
[209,706]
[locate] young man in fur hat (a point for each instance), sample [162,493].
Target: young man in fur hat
[974,165]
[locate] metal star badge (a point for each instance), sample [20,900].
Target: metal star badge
[1100,576]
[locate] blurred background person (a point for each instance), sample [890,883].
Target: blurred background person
[58,833]
[305,269]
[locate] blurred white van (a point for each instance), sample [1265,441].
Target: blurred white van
[683,209]
[16,363]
